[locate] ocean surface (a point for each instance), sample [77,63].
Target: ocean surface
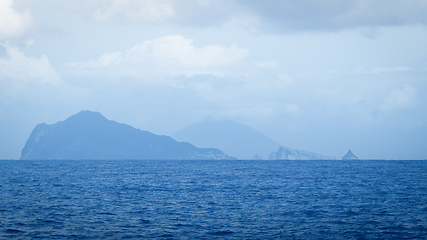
[213,199]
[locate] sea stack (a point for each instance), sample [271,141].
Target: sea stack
[349,156]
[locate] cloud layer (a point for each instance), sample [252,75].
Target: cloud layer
[168,56]
[336,14]
[278,16]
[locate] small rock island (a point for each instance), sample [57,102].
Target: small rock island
[89,135]
[349,156]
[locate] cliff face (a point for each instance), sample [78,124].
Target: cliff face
[89,135]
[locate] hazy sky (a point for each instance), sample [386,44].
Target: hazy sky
[318,75]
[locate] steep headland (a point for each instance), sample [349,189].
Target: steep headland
[89,135]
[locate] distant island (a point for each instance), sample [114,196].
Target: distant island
[349,156]
[240,141]
[233,138]
[89,135]
[285,153]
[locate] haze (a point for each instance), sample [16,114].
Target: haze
[323,76]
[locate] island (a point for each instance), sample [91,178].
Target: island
[349,156]
[89,135]
[286,153]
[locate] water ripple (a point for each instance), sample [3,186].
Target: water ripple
[213,199]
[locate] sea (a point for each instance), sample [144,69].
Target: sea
[348,199]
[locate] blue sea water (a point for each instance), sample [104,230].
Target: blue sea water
[213,199]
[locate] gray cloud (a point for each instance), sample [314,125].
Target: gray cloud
[335,14]
[266,16]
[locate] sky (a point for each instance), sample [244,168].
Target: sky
[318,75]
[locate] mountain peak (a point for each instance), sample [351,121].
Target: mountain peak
[349,156]
[86,118]
[87,114]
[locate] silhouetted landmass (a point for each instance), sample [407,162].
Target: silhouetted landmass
[285,153]
[233,138]
[240,141]
[89,135]
[349,156]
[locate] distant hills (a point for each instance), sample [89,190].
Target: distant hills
[89,135]
[240,141]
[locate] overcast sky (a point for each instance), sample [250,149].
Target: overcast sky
[319,75]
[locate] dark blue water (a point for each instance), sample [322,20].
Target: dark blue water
[213,199]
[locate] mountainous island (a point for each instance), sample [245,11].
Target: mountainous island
[89,135]
[240,141]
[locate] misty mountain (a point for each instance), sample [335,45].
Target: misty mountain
[285,153]
[233,138]
[89,135]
